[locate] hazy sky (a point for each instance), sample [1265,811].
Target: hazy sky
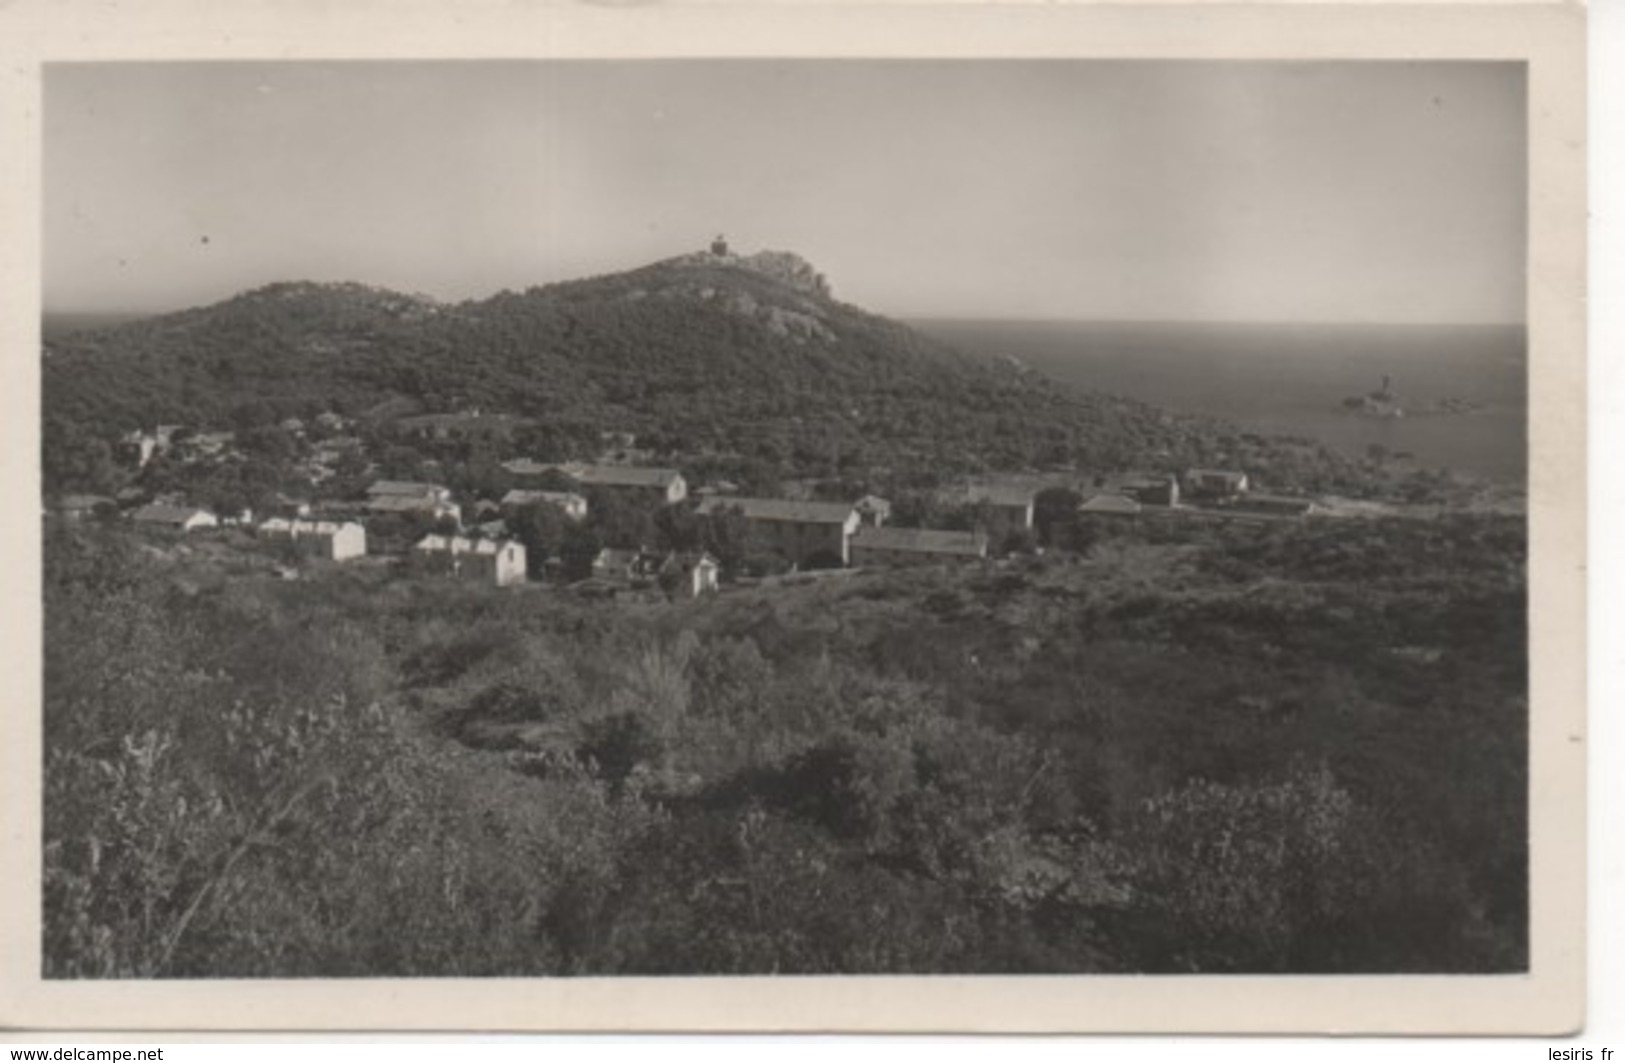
[1369,191]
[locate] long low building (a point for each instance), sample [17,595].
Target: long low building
[332,540]
[1280,505]
[914,545]
[800,531]
[654,484]
[501,562]
[692,572]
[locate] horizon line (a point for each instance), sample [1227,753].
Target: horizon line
[1217,321]
[904,317]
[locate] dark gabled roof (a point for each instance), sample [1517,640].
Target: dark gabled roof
[782,509]
[622,476]
[1000,494]
[922,540]
[1228,474]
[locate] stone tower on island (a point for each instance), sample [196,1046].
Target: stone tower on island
[719,246]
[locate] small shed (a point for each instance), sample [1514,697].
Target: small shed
[873,510]
[699,573]
[615,564]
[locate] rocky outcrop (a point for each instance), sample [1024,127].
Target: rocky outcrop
[787,268]
[779,320]
[793,307]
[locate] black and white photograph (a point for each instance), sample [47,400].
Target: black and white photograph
[765,516]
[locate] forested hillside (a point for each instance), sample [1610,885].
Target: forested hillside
[698,357]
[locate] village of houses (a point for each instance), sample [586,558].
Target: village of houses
[473,542]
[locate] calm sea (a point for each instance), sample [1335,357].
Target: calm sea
[1290,379]
[60,323]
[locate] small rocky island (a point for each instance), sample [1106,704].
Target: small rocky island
[1385,402]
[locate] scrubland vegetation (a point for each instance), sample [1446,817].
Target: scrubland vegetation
[1176,748]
